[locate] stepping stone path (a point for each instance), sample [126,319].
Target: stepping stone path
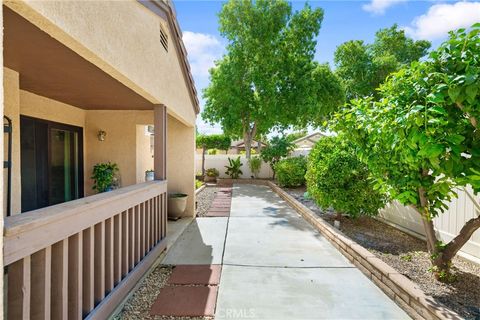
[221,203]
[191,290]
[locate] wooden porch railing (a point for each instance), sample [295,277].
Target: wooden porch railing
[81,258]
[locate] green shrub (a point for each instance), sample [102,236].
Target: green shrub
[291,172]
[212,172]
[255,163]
[212,152]
[198,184]
[337,179]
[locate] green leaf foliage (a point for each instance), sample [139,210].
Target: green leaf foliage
[213,141]
[336,178]
[268,78]
[104,175]
[421,132]
[291,172]
[363,67]
[255,164]
[233,169]
[276,149]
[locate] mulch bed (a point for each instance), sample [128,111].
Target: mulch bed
[408,256]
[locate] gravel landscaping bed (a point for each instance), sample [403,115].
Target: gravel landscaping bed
[204,199]
[138,306]
[408,256]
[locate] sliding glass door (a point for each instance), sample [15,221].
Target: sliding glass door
[51,163]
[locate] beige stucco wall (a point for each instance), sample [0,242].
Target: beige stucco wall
[123,39]
[119,145]
[1,173]
[12,110]
[144,153]
[126,143]
[181,161]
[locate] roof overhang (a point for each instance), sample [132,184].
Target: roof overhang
[49,68]
[165,9]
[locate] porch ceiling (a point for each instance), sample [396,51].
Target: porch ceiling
[50,69]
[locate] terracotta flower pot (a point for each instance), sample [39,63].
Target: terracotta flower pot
[177,203]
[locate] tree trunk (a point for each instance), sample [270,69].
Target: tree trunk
[441,254]
[203,161]
[248,134]
[259,146]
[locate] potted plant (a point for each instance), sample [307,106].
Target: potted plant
[177,203]
[149,175]
[211,175]
[105,177]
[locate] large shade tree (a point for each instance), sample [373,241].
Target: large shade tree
[268,78]
[420,138]
[363,67]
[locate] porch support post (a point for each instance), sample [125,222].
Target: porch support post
[160,142]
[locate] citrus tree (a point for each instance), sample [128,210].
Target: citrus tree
[420,138]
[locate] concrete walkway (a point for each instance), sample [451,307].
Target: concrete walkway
[276,266]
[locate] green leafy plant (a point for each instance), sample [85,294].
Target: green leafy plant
[277,148]
[198,184]
[104,176]
[420,138]
[291,172]
[212,172]
[233,169]
[212,152]
[255,164]
[337,178]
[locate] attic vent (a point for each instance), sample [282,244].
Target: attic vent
[164,37]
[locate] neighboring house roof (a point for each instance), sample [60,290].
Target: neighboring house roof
[308,141]
[166,9]
[241,144]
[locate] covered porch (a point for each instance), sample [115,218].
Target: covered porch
[78,257]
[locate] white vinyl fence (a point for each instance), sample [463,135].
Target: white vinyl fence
[448,224]
[219,161]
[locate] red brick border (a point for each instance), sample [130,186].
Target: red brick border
[395,285]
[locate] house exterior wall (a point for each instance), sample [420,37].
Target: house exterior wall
[2,98]
[12,110]
[144,153]
[122,38]
[120,145]
[126,146]
[181,161]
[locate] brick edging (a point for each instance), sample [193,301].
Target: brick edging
[395,285]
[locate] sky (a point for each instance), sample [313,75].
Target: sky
[343,21]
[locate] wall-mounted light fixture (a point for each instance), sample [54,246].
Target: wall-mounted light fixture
[101,135]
